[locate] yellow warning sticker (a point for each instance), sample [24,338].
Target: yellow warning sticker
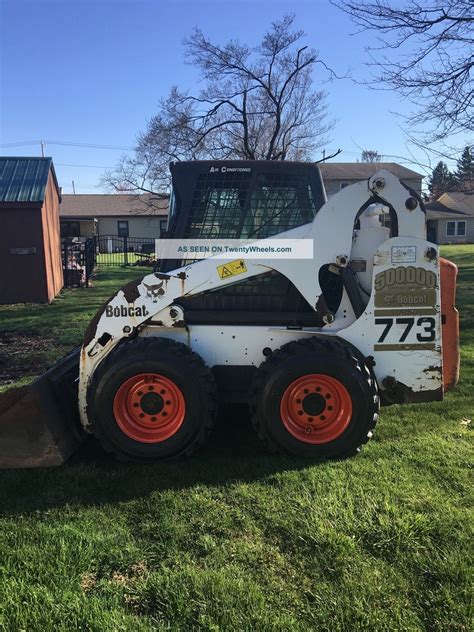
[232,268]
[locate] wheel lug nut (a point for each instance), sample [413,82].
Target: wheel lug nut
[135,405]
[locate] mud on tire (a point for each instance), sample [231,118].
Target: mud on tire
[315,398]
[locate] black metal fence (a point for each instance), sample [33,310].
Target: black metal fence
[80,256]
[123,251]
[79,260]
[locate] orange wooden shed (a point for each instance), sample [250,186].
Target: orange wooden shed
[30,245]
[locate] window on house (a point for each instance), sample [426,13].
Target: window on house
[456,228]
[163,224]
[70,229]
[122,229]
[384,218]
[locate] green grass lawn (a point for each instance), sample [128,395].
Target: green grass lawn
[121,258]
[62,323]
[236,539]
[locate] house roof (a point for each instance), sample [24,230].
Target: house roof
[25,179]
[451,204]
[112,205]
[363,170]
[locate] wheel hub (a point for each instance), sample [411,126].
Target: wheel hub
[149,408]
[313,404]
[152,403]
[316,408]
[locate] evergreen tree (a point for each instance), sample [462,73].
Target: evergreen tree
[440,181]
[465,170]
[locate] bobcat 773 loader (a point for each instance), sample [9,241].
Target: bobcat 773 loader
[313,346]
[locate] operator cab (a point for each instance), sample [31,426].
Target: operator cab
[247,200]
[214,199]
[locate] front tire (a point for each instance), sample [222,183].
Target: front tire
[152,398]
[315,398]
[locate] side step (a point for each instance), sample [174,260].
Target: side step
[39,423]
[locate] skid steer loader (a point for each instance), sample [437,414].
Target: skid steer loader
[313,346]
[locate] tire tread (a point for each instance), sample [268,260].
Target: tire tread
[314,345]
[144,345]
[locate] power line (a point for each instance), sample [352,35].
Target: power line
[88,145]
[26,143]
[66,164]
[67,144]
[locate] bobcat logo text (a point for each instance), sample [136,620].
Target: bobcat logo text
[125,312]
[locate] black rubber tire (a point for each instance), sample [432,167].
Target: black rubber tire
[314,355]
[173,360]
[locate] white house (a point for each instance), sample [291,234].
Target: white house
[337,175]
[116,214]
[451,218]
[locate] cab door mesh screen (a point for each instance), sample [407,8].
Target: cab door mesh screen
[232,206]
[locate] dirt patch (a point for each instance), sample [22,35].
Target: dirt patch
[23,355]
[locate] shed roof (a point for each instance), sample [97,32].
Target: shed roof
[113,205]
[363,170]
[25,179]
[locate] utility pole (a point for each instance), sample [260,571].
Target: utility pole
[73,188]
[324,154]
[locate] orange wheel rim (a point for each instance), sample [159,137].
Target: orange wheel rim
[149,408]
[316,408]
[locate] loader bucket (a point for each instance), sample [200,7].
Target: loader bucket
[39,423]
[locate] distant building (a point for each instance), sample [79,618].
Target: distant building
[117,214]
[451,218]
[337,175]
[30,245]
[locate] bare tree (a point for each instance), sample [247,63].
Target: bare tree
[256,104]
[370,155]
[430,58]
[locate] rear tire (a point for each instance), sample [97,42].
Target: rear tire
[315,398]
[152,398]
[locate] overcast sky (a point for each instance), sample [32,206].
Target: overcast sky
[92,72]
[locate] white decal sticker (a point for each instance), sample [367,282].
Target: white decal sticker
[403,254]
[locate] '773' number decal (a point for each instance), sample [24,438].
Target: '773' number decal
[427,325]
